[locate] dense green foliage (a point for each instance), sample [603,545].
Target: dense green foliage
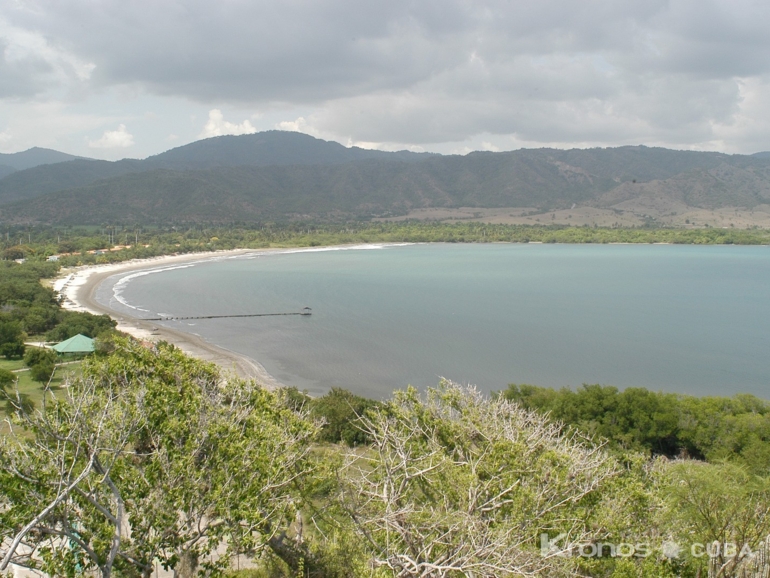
[720,503]
[711,428]
[6,378]
[70,323]
[27,307]
[155,441]
[338,412]
[11,339]
[83,246]
[41,363]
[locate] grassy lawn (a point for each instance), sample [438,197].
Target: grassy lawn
[11,364]
[34,389]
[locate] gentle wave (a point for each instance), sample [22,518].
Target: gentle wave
[120,286]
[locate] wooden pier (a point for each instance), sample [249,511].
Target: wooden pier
[305,311]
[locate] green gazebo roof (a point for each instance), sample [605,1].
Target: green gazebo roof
[77,344]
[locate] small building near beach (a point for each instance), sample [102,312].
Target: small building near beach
[77,344]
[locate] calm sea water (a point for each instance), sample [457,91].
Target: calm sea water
[677,318]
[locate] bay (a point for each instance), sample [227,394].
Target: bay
[689,319]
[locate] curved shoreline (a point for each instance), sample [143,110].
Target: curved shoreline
[78,288]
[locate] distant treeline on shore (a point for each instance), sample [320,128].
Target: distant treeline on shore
[113,243]
[710,428]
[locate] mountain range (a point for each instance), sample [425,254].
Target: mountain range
[10,163]
[278,175]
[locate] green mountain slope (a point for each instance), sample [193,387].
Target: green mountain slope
[258,150]
[725,185]
[6,170]
[645,181]
[44,179]
[34,157]
[638,163]
[268,148]
[365,189]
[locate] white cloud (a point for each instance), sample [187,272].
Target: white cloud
[300,124]
[365,145]
[218,126]
[29,122]
[113,139]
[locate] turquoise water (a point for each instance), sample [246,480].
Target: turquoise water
[677,318]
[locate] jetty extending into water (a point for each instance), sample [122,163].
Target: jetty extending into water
[304,311]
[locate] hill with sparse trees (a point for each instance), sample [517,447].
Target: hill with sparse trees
[278,176]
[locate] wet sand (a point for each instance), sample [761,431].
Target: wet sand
[78,288]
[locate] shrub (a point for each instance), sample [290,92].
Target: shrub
[6,378]
[13,349]
[341,410]
[42,371]
[37,355]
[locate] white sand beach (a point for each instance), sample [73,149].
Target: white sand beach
[78,287]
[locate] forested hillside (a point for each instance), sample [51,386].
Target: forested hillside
[278,176]
[34,157]
[272,148]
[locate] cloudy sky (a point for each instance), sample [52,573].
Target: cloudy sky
[116,78]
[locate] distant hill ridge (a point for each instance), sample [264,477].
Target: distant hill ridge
[261,149]
[34,157]
[279,175]
[6,170]
[266,149]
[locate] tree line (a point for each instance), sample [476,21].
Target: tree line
[712,428]
[91,245]
[28,308]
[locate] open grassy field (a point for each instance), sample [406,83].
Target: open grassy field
[35,390]
[11,364]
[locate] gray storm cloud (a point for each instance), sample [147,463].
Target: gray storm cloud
[679,72]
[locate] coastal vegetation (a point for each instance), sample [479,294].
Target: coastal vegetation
[151,455]
[113,243]
[656,423]
[29,308]
[31,311]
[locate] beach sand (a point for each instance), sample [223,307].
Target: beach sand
[78,287]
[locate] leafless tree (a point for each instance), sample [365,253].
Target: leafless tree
[458,484]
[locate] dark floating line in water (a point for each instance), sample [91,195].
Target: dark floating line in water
[306,311]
